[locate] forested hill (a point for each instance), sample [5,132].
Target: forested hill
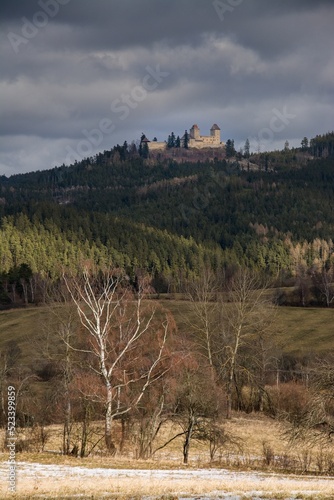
[272,212]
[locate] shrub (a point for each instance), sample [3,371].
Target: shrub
[290,397]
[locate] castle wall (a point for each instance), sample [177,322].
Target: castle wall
[208,142]
[154,145]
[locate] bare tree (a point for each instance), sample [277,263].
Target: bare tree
[313,420]
[202,295]
[247,314]
[150,415]
[198,401]
[62,325]
[195,397]
[212,431]
[120,330]
[323,283]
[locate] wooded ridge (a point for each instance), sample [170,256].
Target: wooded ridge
[171,219]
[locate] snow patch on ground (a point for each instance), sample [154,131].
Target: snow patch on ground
[38,471]
[28,469]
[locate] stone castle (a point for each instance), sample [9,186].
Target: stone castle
[195,139]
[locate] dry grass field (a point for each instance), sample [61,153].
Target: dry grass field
[230,487]
[260,465]
[255,469]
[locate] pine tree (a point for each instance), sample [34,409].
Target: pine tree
[143,147]
[304,144]
[186,140]
[145,151]
[171,141]
[229,148]
[247,149]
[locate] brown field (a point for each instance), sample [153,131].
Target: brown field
[257,434]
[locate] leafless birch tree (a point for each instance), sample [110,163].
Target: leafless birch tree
[126,340]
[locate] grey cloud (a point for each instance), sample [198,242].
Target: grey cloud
[263,55]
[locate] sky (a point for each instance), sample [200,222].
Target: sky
[80,76]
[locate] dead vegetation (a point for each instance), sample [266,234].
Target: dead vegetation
[246,442]
[258,446]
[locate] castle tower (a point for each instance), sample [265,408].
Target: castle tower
[215,132]
[194,132]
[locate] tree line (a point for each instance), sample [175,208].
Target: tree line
[32,255]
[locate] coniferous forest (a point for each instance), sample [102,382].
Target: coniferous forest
[271,212]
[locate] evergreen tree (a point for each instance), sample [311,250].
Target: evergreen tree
[171,141]
[123,151]
[304,144]
[247,149]
[143,148]
[186,140]
[229,148]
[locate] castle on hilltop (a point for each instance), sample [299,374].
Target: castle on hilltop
[195,139]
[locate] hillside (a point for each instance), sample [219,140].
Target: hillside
[273,212]
[298,328]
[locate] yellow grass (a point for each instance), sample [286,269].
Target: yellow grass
[270,487]
[252,430]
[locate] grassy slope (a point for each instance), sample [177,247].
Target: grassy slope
[24,326]
[303,330]
[307,329]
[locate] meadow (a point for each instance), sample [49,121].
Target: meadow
[261,463]
[254,470]
[301,330]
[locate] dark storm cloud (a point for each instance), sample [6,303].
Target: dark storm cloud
[226,61]
[122,23]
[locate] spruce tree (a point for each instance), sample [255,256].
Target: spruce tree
[247,149]
[186,140]
[229,148]
[171,141]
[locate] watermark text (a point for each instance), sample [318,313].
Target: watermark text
[11,437]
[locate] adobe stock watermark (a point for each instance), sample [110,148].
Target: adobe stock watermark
[11,438]
[227,6]
[278,122]
[120,108]
[31,27]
